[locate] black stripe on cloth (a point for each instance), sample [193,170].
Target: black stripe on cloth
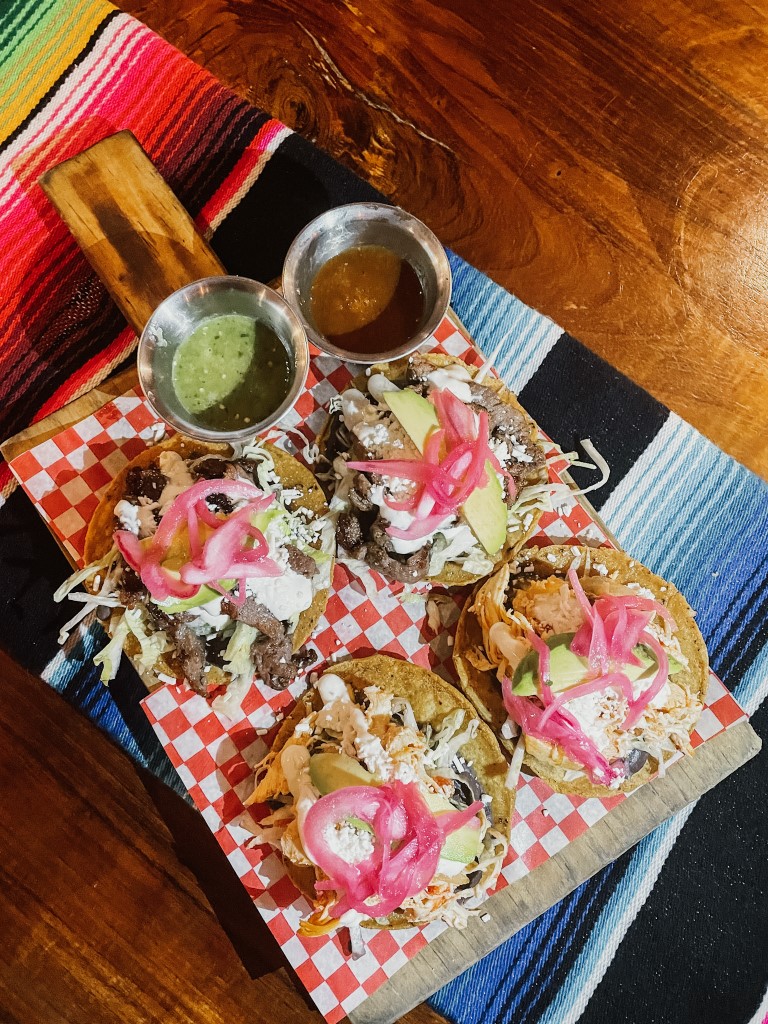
[737,649]
[298,183]
[40,105]
[575,394]
[697,950]
[33,568]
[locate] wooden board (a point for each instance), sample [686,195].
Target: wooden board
[131,227]
[140,267]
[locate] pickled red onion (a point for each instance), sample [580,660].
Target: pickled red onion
[176,513]
[637,707]
[223,554]
[419,528]
[407,839]
[447,481]
[613,626]
[433,446]
[455,417]
[581,597]
[560,730]
[583,689]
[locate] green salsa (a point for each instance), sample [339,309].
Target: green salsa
[231,372]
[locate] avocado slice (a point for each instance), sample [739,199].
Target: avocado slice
[485,509]
[463,845]
[332,770]
[416,415]
[567,669]
[203,596]
[486,512]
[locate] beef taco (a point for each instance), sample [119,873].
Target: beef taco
[210,565]
[588,666]
[432,475]
[387,799]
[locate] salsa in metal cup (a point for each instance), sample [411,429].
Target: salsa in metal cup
[231,372]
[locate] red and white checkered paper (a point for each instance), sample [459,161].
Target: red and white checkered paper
[65,475]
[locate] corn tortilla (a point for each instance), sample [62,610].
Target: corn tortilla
[431,699]
[99,538]
[484,690]
[452,574]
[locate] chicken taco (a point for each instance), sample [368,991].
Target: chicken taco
[386,797]
[209,565]
[588,666]
[433,475]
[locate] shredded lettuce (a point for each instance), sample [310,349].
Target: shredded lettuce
[266,474]
[152,644]
[109,657]
[83,574]
[237,656]
[324,563]
[446,741]
[458,544]
[76,619]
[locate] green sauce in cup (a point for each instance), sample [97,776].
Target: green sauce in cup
[230,372]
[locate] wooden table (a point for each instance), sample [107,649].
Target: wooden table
[606,163]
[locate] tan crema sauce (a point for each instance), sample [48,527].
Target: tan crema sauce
[367,299]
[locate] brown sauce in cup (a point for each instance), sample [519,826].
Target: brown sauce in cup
[367,299]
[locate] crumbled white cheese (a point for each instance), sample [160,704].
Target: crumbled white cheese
[351,844]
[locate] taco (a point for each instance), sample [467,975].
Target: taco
[212,566]
[585,663]
[432,475]
[388,799]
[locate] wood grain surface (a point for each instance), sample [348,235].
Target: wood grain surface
[607,162]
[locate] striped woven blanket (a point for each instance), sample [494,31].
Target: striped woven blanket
[675,929]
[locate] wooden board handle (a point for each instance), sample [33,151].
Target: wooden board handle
[131,227]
